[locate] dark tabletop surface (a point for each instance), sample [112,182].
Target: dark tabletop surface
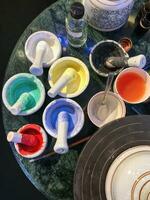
[14,18]
[13,22]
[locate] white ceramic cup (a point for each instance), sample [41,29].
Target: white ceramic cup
[42,48]
[141,73]
[63,130]
[43,146]
[115,105]
[74,88]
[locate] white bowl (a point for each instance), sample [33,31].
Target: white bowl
[75,87]
[116,107]
[44,145]
[56,106]
[141,73]
[52,54]
[101,51]
[20,81]
[128,177]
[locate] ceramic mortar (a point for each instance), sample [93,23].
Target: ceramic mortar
[32,151]
[77,84]
[115,106]
[71,113]
[26,90]
[103,50]
[42,48]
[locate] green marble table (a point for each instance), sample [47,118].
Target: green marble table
[54,176]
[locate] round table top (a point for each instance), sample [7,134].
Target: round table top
[54,176]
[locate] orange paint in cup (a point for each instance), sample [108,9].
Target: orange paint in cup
[133,85]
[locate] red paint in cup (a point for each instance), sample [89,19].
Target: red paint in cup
[39,136]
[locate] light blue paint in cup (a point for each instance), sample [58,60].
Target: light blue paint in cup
[62,119]
[23,94]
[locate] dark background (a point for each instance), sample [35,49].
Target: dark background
[15,15]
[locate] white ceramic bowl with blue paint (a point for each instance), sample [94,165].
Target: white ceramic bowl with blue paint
[62,119]
[23,94]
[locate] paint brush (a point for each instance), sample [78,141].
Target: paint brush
[136,111]
[70,146]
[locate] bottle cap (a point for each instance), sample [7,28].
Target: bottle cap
[77,10]
[126,43]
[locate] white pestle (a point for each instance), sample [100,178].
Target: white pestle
[68,75]
[21,103]
[137,61]
[119,62]
[61,145]
[37,67]
[14,137]
[26,139]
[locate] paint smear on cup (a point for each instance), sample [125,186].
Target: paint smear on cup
[131,86]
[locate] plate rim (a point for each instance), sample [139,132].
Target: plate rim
[116,163]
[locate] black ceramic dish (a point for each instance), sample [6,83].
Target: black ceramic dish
[103,148]
[103,50]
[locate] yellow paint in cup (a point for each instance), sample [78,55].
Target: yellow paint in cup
[78,83]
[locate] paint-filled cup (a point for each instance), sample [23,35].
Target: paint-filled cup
[63,119]
[30,140]
[68,77]
[114,107]
[101,52]
[133,85]
[23,94]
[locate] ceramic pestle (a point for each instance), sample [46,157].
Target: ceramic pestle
[61,145]
[25,139]
[67,76]
[21,103]
[119,62]
[37,66]
[137,61]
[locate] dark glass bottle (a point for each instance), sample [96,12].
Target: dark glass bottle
[143,18]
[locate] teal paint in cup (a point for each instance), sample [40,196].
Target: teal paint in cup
[23,94]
